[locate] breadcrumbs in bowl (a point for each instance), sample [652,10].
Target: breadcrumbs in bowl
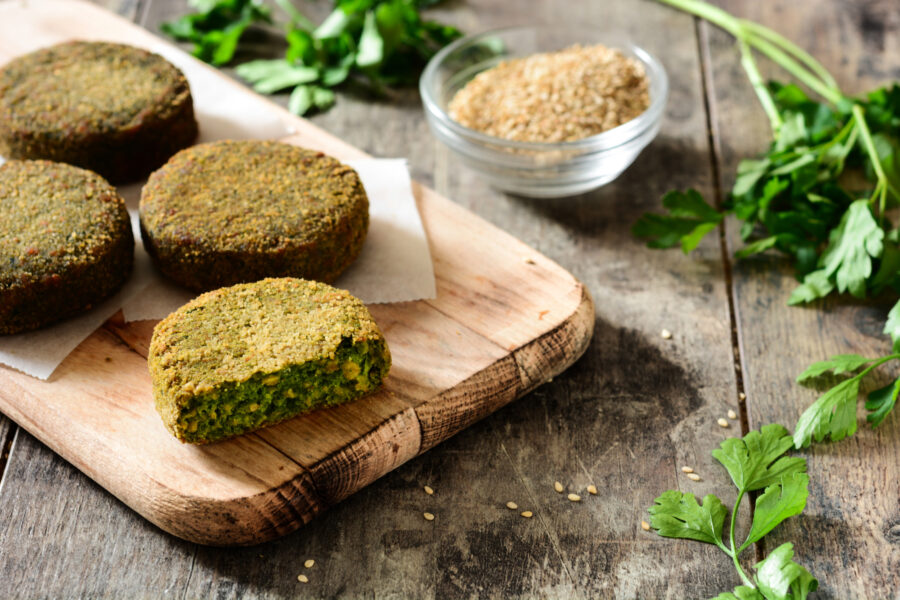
[545,112]
[560,96]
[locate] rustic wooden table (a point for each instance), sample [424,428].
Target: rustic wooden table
[625,417]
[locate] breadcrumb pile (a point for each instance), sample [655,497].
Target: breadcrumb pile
[554,97]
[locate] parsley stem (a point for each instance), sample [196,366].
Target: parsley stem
[297,17]
[710,13]
[775,47]
[790,65]
[868,142]
[883,183]
[876,364]
[734,549]
[792,48]
[759,86]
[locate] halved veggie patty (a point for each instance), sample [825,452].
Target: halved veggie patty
[243,357]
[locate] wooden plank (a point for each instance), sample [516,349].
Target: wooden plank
[847,535]
[55,523]
[636,408]
[257,487]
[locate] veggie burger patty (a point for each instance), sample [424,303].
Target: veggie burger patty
[250,355]
[65,243]
[230,212]
[114,109]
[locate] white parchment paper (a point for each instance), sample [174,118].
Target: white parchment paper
[395,263]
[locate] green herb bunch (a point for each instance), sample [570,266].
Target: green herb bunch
[380,43]
[795,199]
[755,462]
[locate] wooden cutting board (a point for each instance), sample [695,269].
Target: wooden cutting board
[505,320]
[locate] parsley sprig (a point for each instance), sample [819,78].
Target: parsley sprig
[795,199]
[755,462]
[379,43]
[216,26]
[834,413]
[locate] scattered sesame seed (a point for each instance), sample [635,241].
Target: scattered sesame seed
[558,487]
[687,470]
[574,497]
[722,422]
[693,477]
[732,414]
[302,578]
[527,514]
[666,334]
[512,505]
[428,516]
[592,489]
[428,490]
[645,525]
[742,396]
[309,563]
[529,261]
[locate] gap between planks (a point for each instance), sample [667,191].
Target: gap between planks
[701,29]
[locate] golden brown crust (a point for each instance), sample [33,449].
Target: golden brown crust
[262,335]
[229,212]
[114,109]
[65,243]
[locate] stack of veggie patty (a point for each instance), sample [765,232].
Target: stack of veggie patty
[243,357]
[65,243]
[114,109]
[230,212]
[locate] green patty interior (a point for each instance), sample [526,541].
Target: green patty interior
[266,398]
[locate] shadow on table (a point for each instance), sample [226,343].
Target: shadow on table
[618,404]
[639,189]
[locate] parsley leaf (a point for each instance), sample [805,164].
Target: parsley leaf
[741,592]
[780,578]
[689,219]
[892,326]
[678,515]
[217,26]
[838,365]
[756,461]
[778,502]
[269,76]
[847,261]
[815,285]
[375,42]
[881,402]
[833,414]
[792,198]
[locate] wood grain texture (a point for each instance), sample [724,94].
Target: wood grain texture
[637,407]
[849,535]
[258,487]
[625,417]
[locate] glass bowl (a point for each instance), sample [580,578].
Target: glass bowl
[537,169]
